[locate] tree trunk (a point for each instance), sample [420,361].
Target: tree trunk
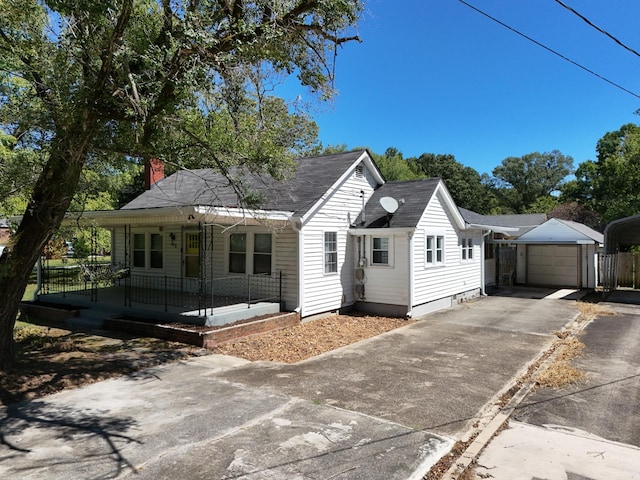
[49,202]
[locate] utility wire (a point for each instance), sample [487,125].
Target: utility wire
[598,28]
[550,50]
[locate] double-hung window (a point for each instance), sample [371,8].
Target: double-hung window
[262,253]
[434,249]
[467,248]
[148,250]
[380,251]
[330,252]
[238,253]
[250,253]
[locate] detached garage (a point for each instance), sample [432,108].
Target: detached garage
[559,253]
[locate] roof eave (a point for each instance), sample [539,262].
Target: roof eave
[380,230]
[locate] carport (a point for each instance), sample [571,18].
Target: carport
[619,236]
[558,253]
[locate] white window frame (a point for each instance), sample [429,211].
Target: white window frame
[326,252]
[438,249]
[249,253]
[389,250]
[466,249]
[147,250]
[262,254]
[360,171]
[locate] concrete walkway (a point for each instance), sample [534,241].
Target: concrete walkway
[385,408]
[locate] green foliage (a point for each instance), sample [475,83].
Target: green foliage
[609,185]
[526,179]
[542,205]
[394,167]
[88,86]
[466,185]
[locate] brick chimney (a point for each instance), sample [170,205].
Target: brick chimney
[153,172]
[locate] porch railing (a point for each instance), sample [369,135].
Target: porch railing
[163,290]
[193,293]
[79,279]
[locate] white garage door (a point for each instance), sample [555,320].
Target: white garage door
[553,265]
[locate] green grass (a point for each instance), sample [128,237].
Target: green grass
[28,293]
[65,262]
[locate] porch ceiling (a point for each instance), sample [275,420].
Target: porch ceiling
[185,215]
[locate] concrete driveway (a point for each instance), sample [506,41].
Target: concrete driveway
[588,431]
[385,408]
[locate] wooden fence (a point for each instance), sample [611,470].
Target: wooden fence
[629,269]
[619,270]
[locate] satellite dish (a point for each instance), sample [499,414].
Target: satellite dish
[389,204]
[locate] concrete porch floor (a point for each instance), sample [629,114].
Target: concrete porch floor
[110,302]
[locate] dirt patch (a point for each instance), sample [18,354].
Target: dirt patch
[589,311]
[560,373]
[51,358]
[306,340]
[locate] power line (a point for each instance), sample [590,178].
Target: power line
[549,49]
[597,28]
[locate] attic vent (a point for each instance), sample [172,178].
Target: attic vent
[360,170]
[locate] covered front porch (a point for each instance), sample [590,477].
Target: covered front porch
[216,301]
[190,265]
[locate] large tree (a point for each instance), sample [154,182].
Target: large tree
[394,167]
[609,185]
[464,183]
[84,80]
[526,179]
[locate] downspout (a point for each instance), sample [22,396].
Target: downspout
[294,222]
[483,286]
[411,265]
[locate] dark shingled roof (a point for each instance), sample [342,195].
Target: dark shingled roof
[412,197]
[312,177]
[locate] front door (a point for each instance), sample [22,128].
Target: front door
[192,254]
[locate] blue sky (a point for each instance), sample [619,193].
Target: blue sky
[436,76]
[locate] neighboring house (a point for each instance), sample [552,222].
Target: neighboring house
[335,233]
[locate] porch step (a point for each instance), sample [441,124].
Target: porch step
[231,313]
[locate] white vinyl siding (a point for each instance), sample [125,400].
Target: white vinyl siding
[389,284]
[454,276]
[325,292]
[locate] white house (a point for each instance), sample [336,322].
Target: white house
[332,236]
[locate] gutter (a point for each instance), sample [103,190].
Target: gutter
[483,286]
[296,225]
[411,265]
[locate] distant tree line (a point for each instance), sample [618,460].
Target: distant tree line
[603,189]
